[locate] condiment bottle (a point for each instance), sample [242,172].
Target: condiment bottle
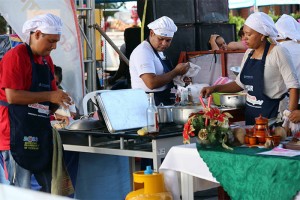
[152,116]
[177,99]
[190,97]
[184,98]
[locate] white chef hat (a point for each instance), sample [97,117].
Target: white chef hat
[163,26]
[262,23]
[288,27]
[47,23]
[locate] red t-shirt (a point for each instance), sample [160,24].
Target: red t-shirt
[16,73]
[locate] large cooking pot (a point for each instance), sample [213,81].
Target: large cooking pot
[181,113]
[233,100]
[165,113]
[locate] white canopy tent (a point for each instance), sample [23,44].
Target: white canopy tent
[233,4]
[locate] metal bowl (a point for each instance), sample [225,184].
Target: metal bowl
[181,113]
[233,100]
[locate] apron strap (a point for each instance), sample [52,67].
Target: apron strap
[3,103]
[166,68]
[31,55]
[266,51]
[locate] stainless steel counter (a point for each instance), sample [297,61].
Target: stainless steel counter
[126,143]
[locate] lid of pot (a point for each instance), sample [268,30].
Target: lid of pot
[261,120]
[162,106]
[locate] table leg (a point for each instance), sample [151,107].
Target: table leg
[187,187]
[222,194]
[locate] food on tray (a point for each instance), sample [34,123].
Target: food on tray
[59,124]
[280,131]
[239,135]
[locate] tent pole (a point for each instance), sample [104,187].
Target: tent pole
[122,56]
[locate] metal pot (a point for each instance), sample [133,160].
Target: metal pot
[233,100]
[236,70]
[165,114]
[181,113]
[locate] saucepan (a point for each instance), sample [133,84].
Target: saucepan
[181,113]
[165,113]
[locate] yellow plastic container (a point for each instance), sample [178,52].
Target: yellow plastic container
[148,187]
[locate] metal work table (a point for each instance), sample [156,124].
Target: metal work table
[127,143]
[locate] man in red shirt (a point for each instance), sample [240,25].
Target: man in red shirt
[27,93]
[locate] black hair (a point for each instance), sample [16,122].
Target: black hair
[58,73]
[208,43]
[241,32]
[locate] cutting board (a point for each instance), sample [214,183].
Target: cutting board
[123,109]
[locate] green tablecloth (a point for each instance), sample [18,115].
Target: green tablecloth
[245,175]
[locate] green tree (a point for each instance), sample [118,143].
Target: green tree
[3,25]
[238,21]
[109,6]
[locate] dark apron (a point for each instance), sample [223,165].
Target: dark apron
[252,76]
[165,96]
[30,128]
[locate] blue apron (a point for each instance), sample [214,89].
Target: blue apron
[252,76]
[30,128]
[165,97]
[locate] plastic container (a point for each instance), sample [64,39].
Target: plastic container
[148,186]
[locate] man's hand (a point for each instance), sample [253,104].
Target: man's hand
[295,116]
[60,97]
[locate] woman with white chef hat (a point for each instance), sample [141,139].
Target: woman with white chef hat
[267,72]
[289,37]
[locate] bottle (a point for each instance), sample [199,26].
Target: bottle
[190,97]
[100,77]
[184,98]
[177,99]
[152,116]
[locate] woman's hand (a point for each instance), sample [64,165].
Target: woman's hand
[213,37]
[182,68]
[295,116]
[207,91]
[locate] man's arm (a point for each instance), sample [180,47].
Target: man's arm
[153,81]
[27,97]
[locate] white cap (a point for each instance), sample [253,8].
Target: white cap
[288,27]
[163,26]
[47,23]
[262,23]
